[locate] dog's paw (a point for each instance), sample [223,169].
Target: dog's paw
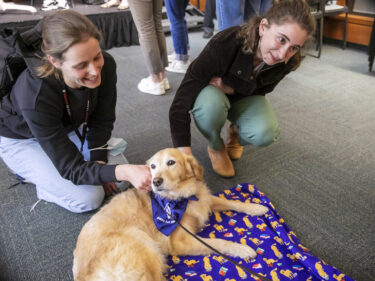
[243,251]
[258,210]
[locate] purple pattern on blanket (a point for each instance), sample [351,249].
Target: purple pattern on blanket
[281,256]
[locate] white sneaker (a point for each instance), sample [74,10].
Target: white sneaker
[49,5]
[172,57]
[178,66]
[166,84]
[150,87]
[62,4]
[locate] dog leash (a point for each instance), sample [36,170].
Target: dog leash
[216,251]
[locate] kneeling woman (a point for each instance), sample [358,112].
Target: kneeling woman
[51,121]
[230,78]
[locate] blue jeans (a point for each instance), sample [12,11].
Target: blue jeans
[234,12]
[253,115]
[176,14]
[26,158]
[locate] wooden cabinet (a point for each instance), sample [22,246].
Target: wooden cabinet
[359,27]
[200,2]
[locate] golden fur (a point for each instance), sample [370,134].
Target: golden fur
[121,242]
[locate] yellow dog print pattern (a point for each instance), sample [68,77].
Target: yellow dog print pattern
[281,256]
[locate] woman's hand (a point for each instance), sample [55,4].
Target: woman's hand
[185,149]
[218,83]
[110,188]
[138,175]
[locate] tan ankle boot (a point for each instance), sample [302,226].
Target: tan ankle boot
[233,147]
[221,162]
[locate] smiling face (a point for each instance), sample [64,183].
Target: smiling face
[278,43]
[82,64]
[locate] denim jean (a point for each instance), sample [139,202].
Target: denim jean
[234,12]
[209,15]
[253,115]
[176,14]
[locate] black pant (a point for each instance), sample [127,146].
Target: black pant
[209,15]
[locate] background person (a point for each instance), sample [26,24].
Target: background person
[209,15]
[230,78]
[49,123]
[179,60]
[147,16]
[235,12]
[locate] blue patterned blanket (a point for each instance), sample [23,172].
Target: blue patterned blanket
[281,256]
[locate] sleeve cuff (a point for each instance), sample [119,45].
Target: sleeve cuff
[107,173]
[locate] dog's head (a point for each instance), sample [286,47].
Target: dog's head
[172,171]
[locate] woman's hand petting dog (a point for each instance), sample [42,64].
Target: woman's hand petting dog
[138,175]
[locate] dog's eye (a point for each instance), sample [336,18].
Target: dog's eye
[153,166]
[171,162]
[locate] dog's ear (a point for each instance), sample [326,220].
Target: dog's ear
[193,168]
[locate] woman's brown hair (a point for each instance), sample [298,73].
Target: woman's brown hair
[61,30]
[285,11]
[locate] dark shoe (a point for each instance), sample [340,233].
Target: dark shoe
[232,145]
[221,162]
[207,34]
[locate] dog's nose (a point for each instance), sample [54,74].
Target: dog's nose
[157,181]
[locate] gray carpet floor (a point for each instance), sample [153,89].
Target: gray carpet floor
[319,175]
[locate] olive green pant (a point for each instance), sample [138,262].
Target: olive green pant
[253,115]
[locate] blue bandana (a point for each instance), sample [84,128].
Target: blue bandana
[168,213]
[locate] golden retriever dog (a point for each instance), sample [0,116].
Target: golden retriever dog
[121,241]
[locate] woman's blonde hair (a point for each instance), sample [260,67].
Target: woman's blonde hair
[61,30]
[285,11]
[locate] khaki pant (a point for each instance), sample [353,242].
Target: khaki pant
[147,15]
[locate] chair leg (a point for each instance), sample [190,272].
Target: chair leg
[320,39]
[345,30]
[370,62]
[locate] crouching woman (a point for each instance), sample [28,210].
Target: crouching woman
[52,121]
[230,78]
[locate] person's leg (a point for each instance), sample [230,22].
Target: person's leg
[265,6]
[210,112]
[251,9]
[176,15]
[209,14]
[27,159]
[158,7]
[256,121]
[157,10]
[143,15]
[229,13]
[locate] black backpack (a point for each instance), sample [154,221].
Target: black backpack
[18,51]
